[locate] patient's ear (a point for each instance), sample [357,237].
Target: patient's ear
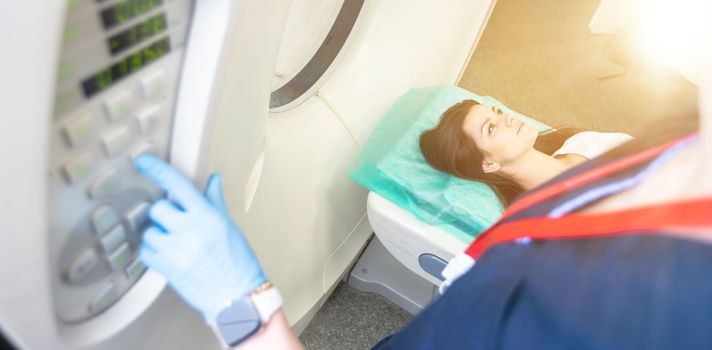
[489,166]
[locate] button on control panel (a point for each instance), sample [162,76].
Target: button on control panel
[79,132]
[120,257]
[80,167]
[154,85]
[137,215]
[114,238]
[106,184]
[104,218]
[120,105]
[117,141]
[148,119]
[135,269]
[83,264]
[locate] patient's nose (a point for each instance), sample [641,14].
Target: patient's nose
[510,119]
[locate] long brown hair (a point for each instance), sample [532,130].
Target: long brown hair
[449,149]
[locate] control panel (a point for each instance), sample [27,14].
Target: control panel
[116,86]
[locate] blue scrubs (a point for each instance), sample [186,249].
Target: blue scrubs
[629,292]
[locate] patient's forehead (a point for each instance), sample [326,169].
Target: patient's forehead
[475,116]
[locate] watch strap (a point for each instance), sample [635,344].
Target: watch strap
[267,302]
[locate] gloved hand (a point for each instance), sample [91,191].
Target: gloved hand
[194,243]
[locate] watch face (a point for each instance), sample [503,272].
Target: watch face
[238,321]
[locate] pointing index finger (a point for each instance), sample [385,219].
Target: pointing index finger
[169,179]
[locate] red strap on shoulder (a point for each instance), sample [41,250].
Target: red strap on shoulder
[691,219]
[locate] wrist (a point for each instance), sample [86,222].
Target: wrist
[223,294]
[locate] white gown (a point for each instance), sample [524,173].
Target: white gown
[591,144]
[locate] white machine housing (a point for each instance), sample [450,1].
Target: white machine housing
[285,171]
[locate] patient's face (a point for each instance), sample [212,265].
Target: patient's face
[500,136]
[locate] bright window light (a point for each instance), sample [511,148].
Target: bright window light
[674,33]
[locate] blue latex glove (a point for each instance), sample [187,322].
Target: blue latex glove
[194,243]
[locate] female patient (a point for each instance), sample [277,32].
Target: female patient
[481,143]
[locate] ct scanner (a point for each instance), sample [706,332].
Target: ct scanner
[277,95]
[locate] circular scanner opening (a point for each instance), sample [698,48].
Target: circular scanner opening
[301,84]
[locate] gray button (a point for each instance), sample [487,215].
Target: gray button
[135,269]
[104,218]
[82,265]
[137,215]
[80,130]
[119,106]
[120,257]
[104,298]
[114,238]
[80,167]
[105,185]
[117,141]
[154,84]
[148,119]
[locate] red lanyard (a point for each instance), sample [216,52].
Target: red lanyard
[689,217]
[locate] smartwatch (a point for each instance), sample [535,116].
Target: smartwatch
[244,316]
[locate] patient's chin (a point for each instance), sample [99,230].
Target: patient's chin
[530,133]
